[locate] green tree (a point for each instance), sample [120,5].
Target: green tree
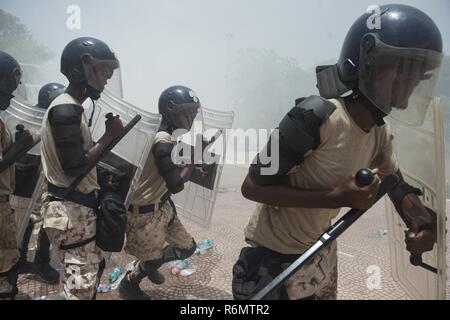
[17,40]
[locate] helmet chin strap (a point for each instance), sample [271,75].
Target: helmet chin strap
[94,95]
[377,114]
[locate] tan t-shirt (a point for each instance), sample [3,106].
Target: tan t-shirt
[50,163]
[7,177]
[345,148]
[151,185]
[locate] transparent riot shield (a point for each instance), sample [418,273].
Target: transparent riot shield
[420,152]
[196,201]
[28,168]
[114,86]
[127,159]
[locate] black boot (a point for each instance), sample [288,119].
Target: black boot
[129,286]
[24,265]
[11,277]
[155,276]
[42,265]
[151,269]
[170,253]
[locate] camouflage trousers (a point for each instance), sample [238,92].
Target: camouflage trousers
[317,279]
[148,234]
[23,217]
[9,253]
[69,223]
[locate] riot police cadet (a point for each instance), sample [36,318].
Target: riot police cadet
[10,75]
[41,264]
[152,219]
[67,151]
[324,140]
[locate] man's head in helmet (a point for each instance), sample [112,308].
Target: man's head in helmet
[394,67]
[10,75]
[179,106]
[89,63]
[48,93]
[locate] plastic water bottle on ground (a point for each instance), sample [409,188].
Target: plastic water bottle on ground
[187,272]
[115,274]
[203,246]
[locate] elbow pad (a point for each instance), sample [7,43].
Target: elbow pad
[166,168]
[65,123]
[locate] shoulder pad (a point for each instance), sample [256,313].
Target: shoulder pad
[321,107]
[300,128]
[65,114]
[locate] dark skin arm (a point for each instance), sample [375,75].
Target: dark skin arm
[113,129]
[186,171]
[10,156]
[346,194]
[416,216]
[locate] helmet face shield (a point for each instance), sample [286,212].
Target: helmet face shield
[97,71]
[398,81]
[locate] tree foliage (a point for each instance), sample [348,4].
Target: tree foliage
[17,40]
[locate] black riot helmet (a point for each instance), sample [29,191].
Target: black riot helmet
[48,93]
[90,62]
[10,75]
[178,106]
[394,62]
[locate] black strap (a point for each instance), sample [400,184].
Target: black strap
[87,200]
[76,245]
[143,209]
[172,204]
[151,207]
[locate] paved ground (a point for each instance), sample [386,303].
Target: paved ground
[359,248]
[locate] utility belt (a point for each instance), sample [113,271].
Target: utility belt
[87,200]
[152,207]
[59,194]
[4,198]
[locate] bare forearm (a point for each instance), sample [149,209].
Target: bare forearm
[410,208]
[98,148]
[286,196]
[414,213]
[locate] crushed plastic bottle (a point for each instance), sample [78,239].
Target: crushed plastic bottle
[102,288]
[115,274]
[180,267]
[176,266]
[187,272]
[204,246]
[382,232]
[40,298]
